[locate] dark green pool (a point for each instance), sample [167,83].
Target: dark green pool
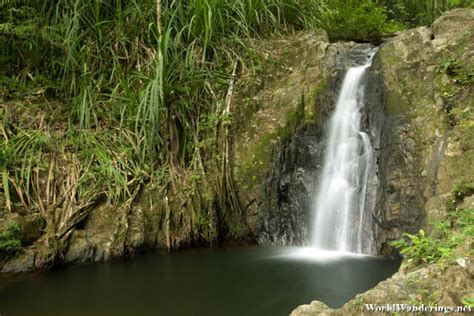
[230,281]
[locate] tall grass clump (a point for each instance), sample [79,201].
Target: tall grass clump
[143,85]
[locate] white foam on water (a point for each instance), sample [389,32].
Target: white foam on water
[316,255]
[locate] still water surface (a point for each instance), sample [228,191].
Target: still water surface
[225,281]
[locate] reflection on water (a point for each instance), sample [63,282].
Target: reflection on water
[228,281]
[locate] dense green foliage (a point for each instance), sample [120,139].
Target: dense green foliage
[356,19]
[420,12]
[10,241]
[145,97]
[359,19]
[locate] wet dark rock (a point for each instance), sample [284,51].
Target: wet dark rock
[285,215]
[31,228]
[395,198]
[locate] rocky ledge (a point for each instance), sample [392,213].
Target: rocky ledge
[427,286]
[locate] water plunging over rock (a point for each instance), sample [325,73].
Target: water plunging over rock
[286,214]
[340,204]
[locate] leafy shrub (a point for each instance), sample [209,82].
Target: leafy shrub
[423,248]
[10,241]
[428,249]
[357,19]
[420,12]
[469,301]
[456,231]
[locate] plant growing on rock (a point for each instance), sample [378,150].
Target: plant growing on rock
[10,242]
[456,233]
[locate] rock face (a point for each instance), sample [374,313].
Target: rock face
[288,193]
[426,143]
[108,232]
[426,151]
[276,144]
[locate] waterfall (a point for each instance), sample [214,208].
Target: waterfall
[339,206]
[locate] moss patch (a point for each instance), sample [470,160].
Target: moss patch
[274,102]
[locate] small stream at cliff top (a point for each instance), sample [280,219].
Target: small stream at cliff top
[225,281]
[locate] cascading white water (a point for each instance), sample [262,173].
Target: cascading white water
[340,201]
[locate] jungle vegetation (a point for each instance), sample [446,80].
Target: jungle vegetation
[101,97]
